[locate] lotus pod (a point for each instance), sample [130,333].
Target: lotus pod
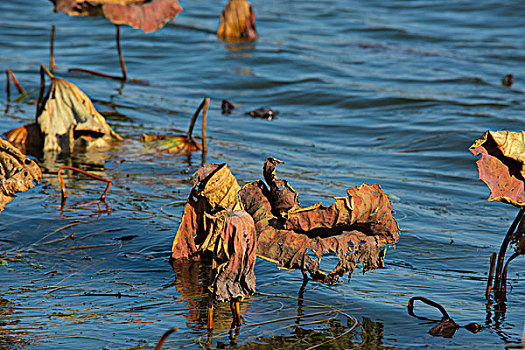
[501,165]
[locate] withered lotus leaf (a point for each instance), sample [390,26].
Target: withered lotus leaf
[234,252]
[282,196]
[214,225]
[357,228]
[66,120]
[501,165]
[17,172]
[172,144]
[237,22]
[148,15]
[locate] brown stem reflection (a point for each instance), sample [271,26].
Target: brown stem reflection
[192,279]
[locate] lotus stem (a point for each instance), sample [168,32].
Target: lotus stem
[51,49]
[194,119]
[210,313]
[428,302]
[491,275]
[164,337]
[204,117]
[503,250]
[47,71]
[98,74]
[503,289]
[120,56]
[63,187]
[10,74]
[236,311]
[7,85]
[40,92]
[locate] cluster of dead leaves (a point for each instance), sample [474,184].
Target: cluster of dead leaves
[231,226]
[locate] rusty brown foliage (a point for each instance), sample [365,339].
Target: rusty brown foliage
[17,173]
[357,227]
[237,22]
[501,165]
[148,15]
[214,225]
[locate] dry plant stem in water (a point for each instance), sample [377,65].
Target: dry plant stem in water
[124,76]
[490,276]
[52,49]
[10,75]
[499,287]
[164,337]
[63,187]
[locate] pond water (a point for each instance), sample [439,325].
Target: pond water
[392,92]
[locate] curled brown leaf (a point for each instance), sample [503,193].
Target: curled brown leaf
[17,173]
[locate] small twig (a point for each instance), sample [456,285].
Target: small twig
[52,49]
[71,236]
[96,245]
[164,337]
[428,302]
[63,187]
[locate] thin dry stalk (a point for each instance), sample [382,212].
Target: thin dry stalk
[194,119]
[52,49]
[502,251]
[164,337]
[204,117]
[10,74]
[63,187]
[428,302]
[491,275]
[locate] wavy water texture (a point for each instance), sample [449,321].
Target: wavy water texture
[388,92]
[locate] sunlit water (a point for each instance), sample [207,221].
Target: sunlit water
[368,91]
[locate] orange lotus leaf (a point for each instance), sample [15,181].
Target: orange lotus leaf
[501,165]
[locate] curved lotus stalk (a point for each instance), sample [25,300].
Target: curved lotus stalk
[148,15]
[181,144]
[17,173]
[357,227]
[66,120]
[237,22]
